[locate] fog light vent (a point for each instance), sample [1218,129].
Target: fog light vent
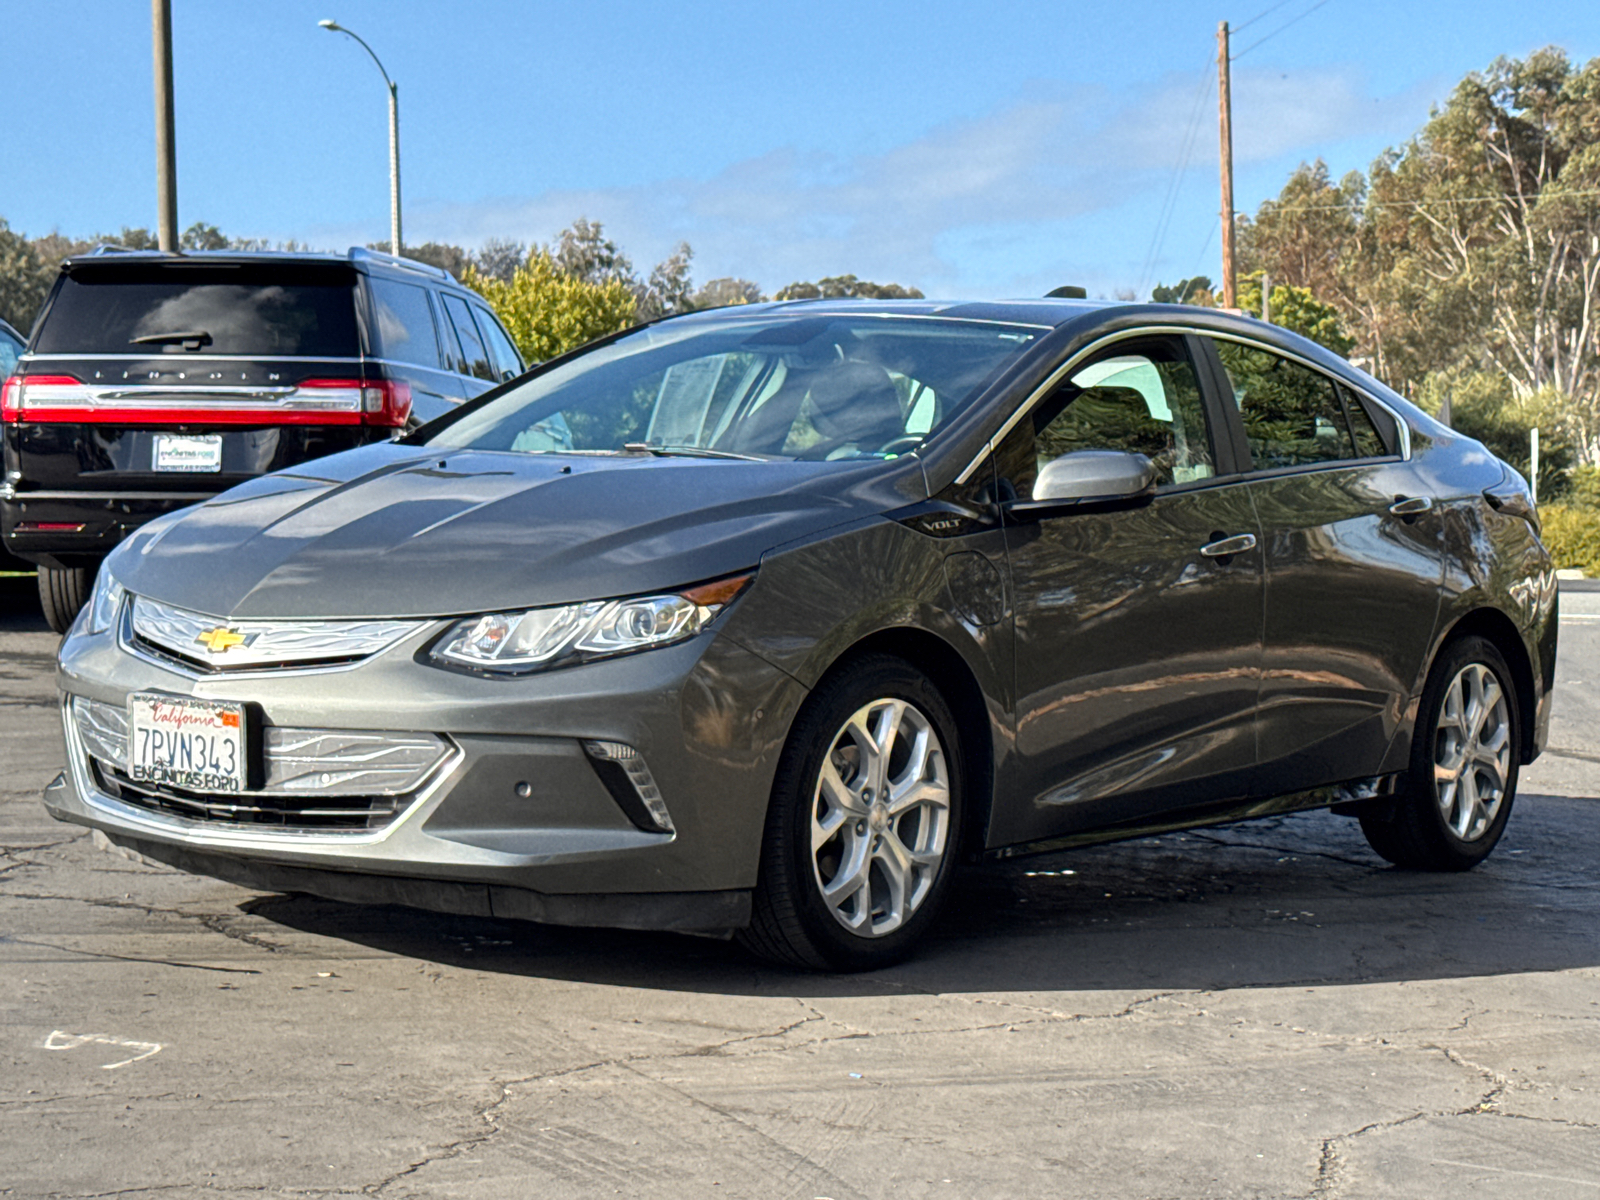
[622,769]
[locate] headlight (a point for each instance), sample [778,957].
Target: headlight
[105,601]
[517,643]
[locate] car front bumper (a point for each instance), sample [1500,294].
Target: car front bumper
[515,820]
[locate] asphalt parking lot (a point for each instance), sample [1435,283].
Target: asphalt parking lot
[1261,1010]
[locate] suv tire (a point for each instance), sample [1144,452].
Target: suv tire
[62,592]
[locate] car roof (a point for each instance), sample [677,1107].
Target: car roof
[362,259]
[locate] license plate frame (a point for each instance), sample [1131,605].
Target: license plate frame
[187,453]
[189,743]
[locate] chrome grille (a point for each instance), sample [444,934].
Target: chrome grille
[312,778]
[177,633]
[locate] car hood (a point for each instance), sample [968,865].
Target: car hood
[398,531]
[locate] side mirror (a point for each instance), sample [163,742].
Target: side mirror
[1095,475]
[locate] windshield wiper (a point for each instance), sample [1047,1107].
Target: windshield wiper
[192,339]
[666,451]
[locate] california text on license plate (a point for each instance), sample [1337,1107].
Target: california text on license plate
[194,744]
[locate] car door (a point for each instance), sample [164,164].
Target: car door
[1137,625]
[406,340]
[1352,561]
[477,368]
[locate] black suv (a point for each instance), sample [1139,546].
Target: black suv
[153,381]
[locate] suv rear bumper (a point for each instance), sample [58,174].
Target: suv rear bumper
[73,528]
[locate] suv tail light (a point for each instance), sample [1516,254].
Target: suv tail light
[62,398]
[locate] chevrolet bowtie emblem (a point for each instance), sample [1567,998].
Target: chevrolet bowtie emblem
[222,639]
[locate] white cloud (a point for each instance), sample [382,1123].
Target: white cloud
[991,204]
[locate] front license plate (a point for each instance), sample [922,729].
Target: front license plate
[193,744]
[188,452]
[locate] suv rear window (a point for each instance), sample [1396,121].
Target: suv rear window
[253,310]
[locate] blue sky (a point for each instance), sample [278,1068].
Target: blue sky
[967,149]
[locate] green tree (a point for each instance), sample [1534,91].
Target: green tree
[720,293]
[201,236]
[1186,291]
[548,311]
[668,290]
[1298,311]
[1306,237]
[24,279]
[842,287]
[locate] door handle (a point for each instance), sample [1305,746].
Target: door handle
[1410,506]
[1224,547]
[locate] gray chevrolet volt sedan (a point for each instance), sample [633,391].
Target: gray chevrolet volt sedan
[760,621]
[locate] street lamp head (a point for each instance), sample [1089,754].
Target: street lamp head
[331,26]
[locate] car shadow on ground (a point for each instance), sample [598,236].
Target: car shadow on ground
[19,605]
[1286,902]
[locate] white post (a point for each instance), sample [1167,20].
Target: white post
[1533,462]
[1266,298]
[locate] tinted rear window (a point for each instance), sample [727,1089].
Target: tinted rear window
[254,310]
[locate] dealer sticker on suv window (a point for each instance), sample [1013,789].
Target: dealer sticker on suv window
[188,452]
[192,744]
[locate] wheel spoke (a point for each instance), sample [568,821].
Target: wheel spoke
[851,882]
[837,792]
[1492,696]
[896,867]
[823,829]
[930,792]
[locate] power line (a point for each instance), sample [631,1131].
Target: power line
[1280,29]
[1169,203]
[1266,12]
[1200,258]
[1284,208]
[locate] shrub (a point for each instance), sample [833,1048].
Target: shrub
[1572,535]
[548,312]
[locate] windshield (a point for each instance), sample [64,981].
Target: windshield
[792,386]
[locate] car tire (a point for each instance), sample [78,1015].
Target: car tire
[62,592]
[864,824]
[1464,758]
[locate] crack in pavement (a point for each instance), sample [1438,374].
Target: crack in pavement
[215,922]
[1293,852]
[158,962]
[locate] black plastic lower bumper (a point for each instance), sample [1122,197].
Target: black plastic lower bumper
[72,529]
[715,914]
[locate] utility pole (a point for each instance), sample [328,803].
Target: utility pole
[1225,121]
[166,138]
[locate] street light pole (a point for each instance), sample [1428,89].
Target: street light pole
[394,134]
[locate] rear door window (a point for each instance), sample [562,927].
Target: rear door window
[404,318]
[1292,415]
[507,362]
[472,347]
[255,309]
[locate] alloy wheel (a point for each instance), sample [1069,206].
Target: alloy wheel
[1472,751]
[880,817]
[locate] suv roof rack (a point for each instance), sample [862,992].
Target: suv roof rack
[395,260]
[113,248]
